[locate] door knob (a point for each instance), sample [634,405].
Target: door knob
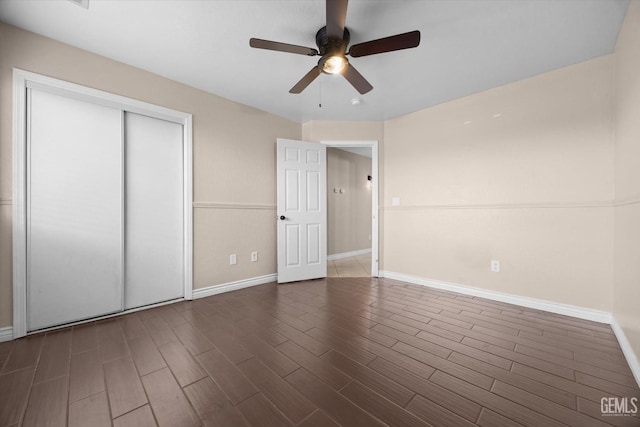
[282,217]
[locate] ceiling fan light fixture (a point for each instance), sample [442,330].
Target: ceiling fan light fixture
[334,64]
[333,45]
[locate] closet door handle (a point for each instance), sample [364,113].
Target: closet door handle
[282,217]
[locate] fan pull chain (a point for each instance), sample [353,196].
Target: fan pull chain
[320,92]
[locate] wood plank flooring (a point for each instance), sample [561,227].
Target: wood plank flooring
[336,352]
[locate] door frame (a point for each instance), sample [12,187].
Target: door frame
[374,195]
[22,80]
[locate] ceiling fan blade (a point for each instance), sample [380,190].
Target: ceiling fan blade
[387,44]
[282,47]
[355,78]
[336,18]
[306,80]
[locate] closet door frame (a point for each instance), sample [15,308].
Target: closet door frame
[23,80]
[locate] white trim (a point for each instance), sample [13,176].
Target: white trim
[241,206]
[538,304]
[348,254]
[375,252]
[234,286]
[523,205]
[123,211]
[6,334]
[19,220]
[625,345]
[95,96]
[23,80]
[632,200]
[187,203]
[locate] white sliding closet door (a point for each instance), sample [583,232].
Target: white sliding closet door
[74,210]
[154,269]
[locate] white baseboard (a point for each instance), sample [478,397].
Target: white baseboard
[538,304]
[625,345]
[348,254]
[233,286]
[6,334]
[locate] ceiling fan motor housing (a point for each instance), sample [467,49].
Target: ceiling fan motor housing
[328,47]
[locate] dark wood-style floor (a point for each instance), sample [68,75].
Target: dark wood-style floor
[350,352]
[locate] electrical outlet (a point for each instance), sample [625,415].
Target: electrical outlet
[233,259]
[495,266]
[254,256]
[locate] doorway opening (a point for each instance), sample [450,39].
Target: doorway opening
[352,208]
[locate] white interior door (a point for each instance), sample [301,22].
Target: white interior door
[154,270]
[302,210]
[74,210]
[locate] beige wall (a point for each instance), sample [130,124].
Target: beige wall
[531,188]
[626,288]
[324,130]
[234,150]
[348,213]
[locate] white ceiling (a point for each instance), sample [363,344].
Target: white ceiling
[467,46]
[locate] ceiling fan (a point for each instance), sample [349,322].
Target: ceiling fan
[333,40]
